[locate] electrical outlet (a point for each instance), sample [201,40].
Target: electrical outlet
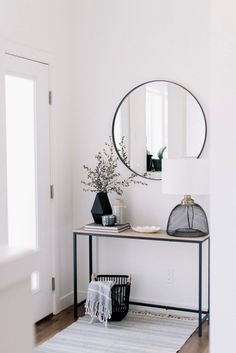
[170,276]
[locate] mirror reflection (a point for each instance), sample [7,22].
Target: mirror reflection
[156,120]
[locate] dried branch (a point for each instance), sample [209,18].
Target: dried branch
[105,177]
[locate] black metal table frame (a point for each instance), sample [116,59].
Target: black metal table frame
[203,315]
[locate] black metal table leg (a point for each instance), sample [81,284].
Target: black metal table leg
[209,251]
[200,292]
[75,273]
[90,257]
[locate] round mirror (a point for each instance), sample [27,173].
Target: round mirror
[155,120]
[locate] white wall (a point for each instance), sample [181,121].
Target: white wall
[223,176]
[119,45]
[46,26]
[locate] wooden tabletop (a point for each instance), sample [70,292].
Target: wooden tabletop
[131,234]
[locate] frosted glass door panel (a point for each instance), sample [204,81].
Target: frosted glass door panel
[21,161]
[28,172]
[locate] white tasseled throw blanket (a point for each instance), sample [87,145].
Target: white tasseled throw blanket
[98,304]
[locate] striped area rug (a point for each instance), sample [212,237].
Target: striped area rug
[138,333]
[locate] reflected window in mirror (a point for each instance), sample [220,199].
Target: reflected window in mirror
[156,117]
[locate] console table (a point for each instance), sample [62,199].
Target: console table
[203,315]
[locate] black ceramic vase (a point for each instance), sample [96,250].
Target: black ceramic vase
[101,207]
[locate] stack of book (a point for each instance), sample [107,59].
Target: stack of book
[117,228]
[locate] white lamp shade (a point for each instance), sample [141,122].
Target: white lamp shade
[188,176]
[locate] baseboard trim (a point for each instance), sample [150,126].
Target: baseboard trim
[68,299]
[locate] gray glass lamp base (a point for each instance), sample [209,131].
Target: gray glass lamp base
[187,221]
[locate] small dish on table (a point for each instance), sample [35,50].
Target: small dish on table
[146,229]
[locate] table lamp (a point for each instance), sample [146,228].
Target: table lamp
[186,177]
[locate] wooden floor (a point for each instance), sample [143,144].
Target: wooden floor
[51,325]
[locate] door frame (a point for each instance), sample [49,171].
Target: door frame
[15,49]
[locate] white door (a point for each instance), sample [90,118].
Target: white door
[28,170]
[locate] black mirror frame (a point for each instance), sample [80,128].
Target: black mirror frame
[119,105]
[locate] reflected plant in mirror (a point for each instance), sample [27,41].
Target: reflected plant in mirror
[159,119]
[157,163]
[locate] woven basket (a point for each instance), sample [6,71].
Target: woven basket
[120,293]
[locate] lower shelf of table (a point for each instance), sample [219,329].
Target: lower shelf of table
[166,307]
